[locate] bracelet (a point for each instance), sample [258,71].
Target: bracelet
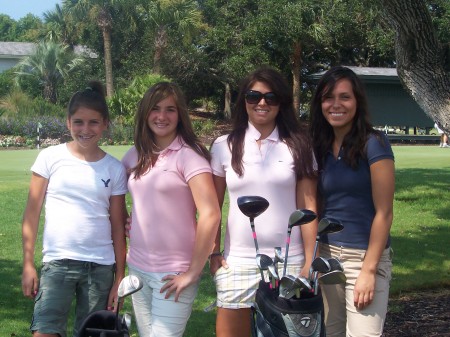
[215,254]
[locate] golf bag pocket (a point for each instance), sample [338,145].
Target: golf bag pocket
[275,316]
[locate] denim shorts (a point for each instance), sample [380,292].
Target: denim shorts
[63,280]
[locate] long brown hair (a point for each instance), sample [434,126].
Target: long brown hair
[290,130]
[322,132]
[144,139]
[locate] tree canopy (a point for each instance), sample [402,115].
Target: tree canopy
[207,46]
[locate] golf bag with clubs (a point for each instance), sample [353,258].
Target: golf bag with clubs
[104,323]
[275,316]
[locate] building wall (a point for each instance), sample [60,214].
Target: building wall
[7,63]
[390,104]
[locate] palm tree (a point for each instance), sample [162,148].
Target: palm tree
[181,17]
[50,64]
[100,12]
[60,29]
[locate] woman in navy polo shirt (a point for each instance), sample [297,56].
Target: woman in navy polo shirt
[356,187]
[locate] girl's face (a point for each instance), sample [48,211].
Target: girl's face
[86,127]
[163,121]
[261,114]
[339,106]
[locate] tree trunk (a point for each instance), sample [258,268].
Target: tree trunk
[227,108]
[108,62]
[160,45]
[419,58]
[49,93]
[296,63]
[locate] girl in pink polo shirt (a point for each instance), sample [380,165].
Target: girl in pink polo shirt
[169,180]
[268,153]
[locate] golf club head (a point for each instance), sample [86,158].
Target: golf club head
[335,264]
[300,217]
[278,255]
[303,283]
[333,277]
[263,261]
[288,285]
[129,285]
[252,206]
[329,226]
[273,272]
[320,265]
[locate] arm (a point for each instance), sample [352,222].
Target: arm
[117,215]
[205,198]
[383,186]
[217,261]
[307,198]
[30,225]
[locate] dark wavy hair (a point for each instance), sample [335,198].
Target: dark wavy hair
[92,97]
[291,131]
[322,132]
[144,140]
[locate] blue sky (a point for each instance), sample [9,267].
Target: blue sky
[17,9]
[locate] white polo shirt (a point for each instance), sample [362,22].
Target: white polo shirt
[269,173]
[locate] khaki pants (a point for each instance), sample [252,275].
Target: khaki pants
[341,317]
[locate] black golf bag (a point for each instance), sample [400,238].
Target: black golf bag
[275,316]
[104,323]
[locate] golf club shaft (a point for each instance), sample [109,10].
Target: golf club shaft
[288,241]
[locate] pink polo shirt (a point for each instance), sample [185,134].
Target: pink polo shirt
[163,223]
[269,173]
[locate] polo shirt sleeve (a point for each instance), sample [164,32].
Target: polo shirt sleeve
[218,153]
[378,148]
[193,164]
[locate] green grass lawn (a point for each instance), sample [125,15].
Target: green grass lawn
[420,233]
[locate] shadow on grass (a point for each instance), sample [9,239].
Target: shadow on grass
[421,235]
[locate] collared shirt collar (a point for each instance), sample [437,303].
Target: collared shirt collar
[176,144]
[255,134]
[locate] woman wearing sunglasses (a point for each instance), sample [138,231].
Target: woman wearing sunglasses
[268,154]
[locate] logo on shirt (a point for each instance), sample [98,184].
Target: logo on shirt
[106,182]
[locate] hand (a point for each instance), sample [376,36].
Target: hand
[305,271]
[30,281]
[215,262]
[364,290]
[177,283]
[113,300]
[128,227]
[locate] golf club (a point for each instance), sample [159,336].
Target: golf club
[333,277]
[273,276]
[252,206]
[278,257]
[291,286]
[129,285]
[335,264]
[297,218]
[326,226]
[320,265]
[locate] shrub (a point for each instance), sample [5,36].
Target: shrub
[203,126]
[124,103]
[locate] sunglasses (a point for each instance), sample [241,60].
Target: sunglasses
[254,97]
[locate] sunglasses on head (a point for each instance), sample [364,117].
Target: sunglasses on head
[254,97]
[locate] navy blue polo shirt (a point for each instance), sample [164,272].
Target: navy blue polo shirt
[347,194]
